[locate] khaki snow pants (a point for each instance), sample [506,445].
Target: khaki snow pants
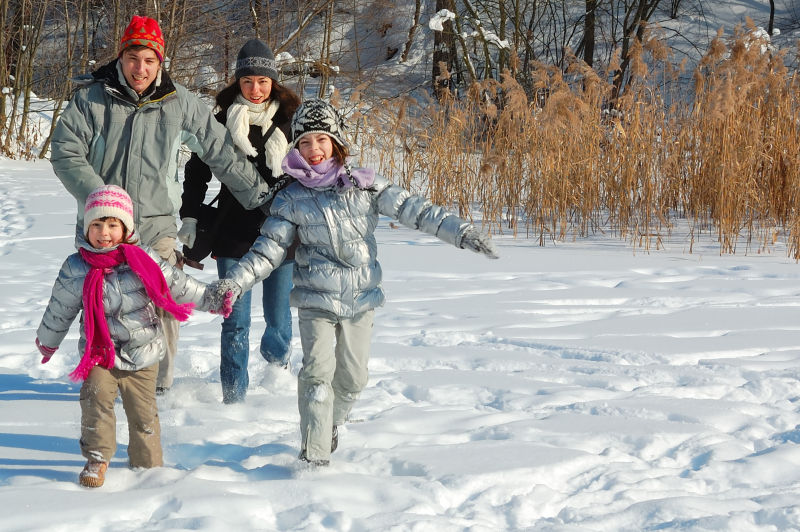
[165,247]
[99,423]
[334,372]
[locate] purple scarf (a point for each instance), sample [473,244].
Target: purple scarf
[328,173]
[99,345]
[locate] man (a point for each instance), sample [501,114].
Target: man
[125,127]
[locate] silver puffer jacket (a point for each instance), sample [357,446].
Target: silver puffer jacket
[131,315]
[336,267]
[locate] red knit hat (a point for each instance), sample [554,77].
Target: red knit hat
[143,31]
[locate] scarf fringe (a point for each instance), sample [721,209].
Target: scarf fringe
[86,365]
[182,312]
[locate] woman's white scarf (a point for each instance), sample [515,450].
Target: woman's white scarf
[242,114]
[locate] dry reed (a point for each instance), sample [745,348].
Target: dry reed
[565,163]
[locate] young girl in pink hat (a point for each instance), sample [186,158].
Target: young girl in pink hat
[118,286]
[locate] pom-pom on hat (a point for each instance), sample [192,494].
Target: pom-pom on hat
[256,59]
[109,200]
[143,31]
[318,116]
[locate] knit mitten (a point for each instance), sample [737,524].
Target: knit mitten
[46,352]
[479,243]
[220,296]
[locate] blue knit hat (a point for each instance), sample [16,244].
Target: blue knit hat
[256,59]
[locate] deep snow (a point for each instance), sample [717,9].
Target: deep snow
[579,386]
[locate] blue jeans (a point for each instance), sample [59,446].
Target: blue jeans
[235,340]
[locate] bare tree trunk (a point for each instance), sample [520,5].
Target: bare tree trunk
[444,56]
[411,31]
[174,37]
[267,16]
[84,10]
[673,9]
[325,53]
[32,33]
[256,19]
[355,48]
[637,14]
[502,60]
[588,32]
[227,52]
[771,26]
[459,36]
[4,70]
[518,25]
[66,86]
[15,61]
[116,27]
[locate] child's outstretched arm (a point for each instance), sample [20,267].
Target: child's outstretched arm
[186,289]
[183,287]
[417,212]
[266,253]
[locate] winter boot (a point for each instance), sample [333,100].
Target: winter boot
[315,463]
[93,474]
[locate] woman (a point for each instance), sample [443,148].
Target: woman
[257,110]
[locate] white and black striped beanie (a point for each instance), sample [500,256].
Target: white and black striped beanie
[256,59]
[317,116]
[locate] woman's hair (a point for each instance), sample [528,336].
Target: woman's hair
[288,100]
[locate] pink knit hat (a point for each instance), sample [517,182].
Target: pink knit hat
[109,200]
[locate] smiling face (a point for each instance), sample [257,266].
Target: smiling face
[255,88]
[315,148]
[105,232]
[140,67]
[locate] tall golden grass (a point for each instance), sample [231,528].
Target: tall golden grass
[724,160]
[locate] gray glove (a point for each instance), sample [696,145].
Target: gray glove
[479,243]
[188,231]
[220,296]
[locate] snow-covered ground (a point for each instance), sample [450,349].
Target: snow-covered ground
[580,386]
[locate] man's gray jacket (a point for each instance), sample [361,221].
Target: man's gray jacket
[109,135]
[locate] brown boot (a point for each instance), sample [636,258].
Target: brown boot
[93,474]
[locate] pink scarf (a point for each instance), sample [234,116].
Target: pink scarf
[328,173]
[99,346]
